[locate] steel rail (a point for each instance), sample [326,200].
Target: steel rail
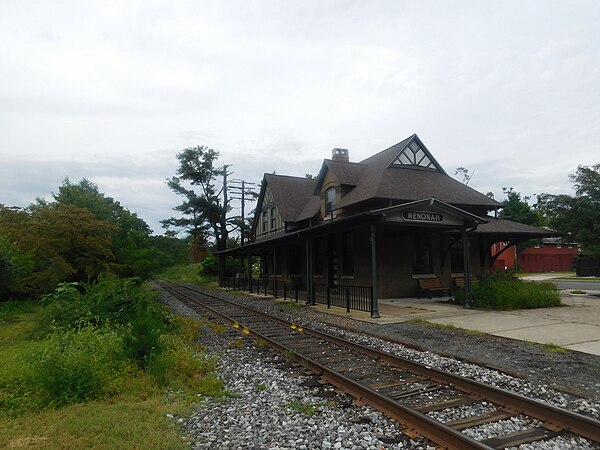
[415,421]
[553,417]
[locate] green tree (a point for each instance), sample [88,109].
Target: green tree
[577,216]
[516,208]
[60,243]
[132,246]
[204,210]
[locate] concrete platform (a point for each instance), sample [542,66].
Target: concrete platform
[575,326]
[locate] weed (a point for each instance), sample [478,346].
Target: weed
[217,327]
[444,326]
[289,354]
[549,347]
[261,387]
[187,328]
[77,366]
[182,367]
[236,343]
[578,291]
[237,293]
[294,306]
[261,343]
[307,408]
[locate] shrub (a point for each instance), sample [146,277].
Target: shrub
[209,265]
[141,339]
[81,365]
[111,301]
[506,292]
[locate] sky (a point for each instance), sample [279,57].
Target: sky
[113,90]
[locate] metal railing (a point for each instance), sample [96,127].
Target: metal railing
[285,289]
[344,296]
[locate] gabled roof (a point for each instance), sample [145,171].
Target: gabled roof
[466,215]
[381,178]
[347,173]
[294,196]
[505,226]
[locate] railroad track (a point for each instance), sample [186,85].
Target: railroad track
[404,390]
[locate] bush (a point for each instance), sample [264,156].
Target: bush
[77,366]
[141,339]
[111,301]
[504,291]
[209,265]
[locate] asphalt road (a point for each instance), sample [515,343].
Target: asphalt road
[582,285]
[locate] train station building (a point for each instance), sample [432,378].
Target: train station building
[384,227]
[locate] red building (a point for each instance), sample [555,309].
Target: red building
[551,255]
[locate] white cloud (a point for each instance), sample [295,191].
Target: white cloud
[114,90]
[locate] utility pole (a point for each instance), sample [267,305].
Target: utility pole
[240,189]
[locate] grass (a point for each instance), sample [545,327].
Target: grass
[444,326]
[12,309]
[294,306]
[189,273]
[548,347]
[129,421]
[307,408]
[135,417]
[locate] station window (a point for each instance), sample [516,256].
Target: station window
[264,222]
[422,257]
[329,200]
[273,218]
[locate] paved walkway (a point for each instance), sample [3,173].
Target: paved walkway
[575,326]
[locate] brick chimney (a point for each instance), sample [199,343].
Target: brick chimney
[340,154]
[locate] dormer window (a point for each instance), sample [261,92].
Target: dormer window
[264,222]
[329,200]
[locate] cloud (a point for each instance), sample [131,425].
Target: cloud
[113,90]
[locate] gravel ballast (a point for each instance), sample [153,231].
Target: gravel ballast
[276,407]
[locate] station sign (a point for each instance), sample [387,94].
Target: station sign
[422,216]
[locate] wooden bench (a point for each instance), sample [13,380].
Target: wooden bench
[459,282]
[429,285]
